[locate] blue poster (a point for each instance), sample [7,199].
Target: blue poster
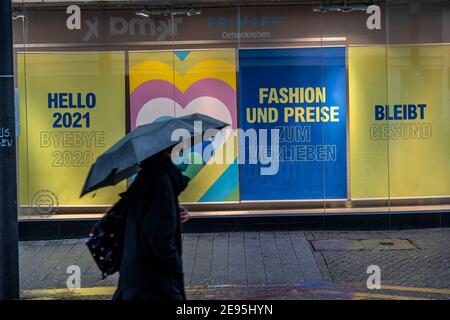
[301,94]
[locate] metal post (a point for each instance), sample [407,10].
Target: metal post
[9,262]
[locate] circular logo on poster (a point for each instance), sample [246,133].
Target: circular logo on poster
[45,203]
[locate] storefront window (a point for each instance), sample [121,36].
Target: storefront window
[417,111]
[333,107]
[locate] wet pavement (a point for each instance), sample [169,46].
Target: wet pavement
[413,264]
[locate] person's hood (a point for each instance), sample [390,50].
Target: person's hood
[179,181]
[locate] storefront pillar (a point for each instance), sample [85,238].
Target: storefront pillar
[9,264]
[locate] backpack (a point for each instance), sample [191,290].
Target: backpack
[106,239]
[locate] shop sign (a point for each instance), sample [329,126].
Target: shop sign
[302,93]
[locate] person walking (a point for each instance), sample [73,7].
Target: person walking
[151,266]
[146,248]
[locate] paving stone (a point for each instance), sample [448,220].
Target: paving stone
[203,259]
[305,257]
[292,270]
[336,245]
[190,242]
[237,265]
[36,265]
[219,263]
[387,244]
[271,259]
[253,258]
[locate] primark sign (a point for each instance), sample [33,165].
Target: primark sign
[245,27]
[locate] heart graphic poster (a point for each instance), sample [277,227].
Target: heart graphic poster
[177,83]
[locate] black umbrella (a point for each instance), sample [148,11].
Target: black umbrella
[123,158]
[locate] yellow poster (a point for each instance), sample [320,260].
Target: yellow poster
[399,121]
[72,109]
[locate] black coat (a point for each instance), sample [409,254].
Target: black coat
[151,266]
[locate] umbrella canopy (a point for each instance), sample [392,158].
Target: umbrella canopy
[122,160]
